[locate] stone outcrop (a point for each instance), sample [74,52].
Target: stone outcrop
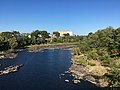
[76,81]
[10,69]
[80,72]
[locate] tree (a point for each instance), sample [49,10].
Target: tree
[57,34]
[39,37]
[44,34]
[93,54]
[33,40]
[3,44]
[1,39]
[35,33]
[66,35]
[90,33]
[15,33]
[13,42]
[115,80]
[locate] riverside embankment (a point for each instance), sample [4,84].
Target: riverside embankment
[93,72]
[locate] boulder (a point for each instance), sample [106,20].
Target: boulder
[66,80]
[10,69]
[76,81]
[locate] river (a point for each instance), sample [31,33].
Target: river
[41,71]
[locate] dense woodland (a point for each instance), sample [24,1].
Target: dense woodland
[103,46]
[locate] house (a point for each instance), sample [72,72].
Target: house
[65,32]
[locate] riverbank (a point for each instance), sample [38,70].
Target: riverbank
[93,71]
[38,48]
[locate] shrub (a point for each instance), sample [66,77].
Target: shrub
[93,54]
[76,51]
[82,60]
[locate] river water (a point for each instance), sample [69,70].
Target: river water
[41,71]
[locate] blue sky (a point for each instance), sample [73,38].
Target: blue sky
[79,16]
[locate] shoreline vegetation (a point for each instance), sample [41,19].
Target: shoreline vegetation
[36,48]
[12,42]
[92,72]
[96,56]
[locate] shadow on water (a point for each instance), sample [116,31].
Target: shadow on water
[41,71]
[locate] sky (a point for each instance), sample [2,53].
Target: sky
[79,16]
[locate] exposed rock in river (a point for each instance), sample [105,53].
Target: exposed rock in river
[66,80]
[67,72]
[76,81]
[8,55]
[10,69]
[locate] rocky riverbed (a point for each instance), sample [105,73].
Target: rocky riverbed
[10,69]
[81,72]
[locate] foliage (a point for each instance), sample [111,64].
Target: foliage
[91,64]
[82,60]
[38,33]
[13,43]
[93,54]
[66,35]
[76,51]
[104,46]
[115,79]
[57,34]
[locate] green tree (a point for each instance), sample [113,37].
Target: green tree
[13,42]
[115,80]
[39,37]
[66,35]
[57,34]
[44,34]
[93,54]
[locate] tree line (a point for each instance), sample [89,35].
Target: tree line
[15,39]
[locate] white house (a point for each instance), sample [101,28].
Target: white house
[65,32]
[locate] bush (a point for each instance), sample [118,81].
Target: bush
[105,60]
[76,51]
[93,54]
[82,60]
[115,79]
